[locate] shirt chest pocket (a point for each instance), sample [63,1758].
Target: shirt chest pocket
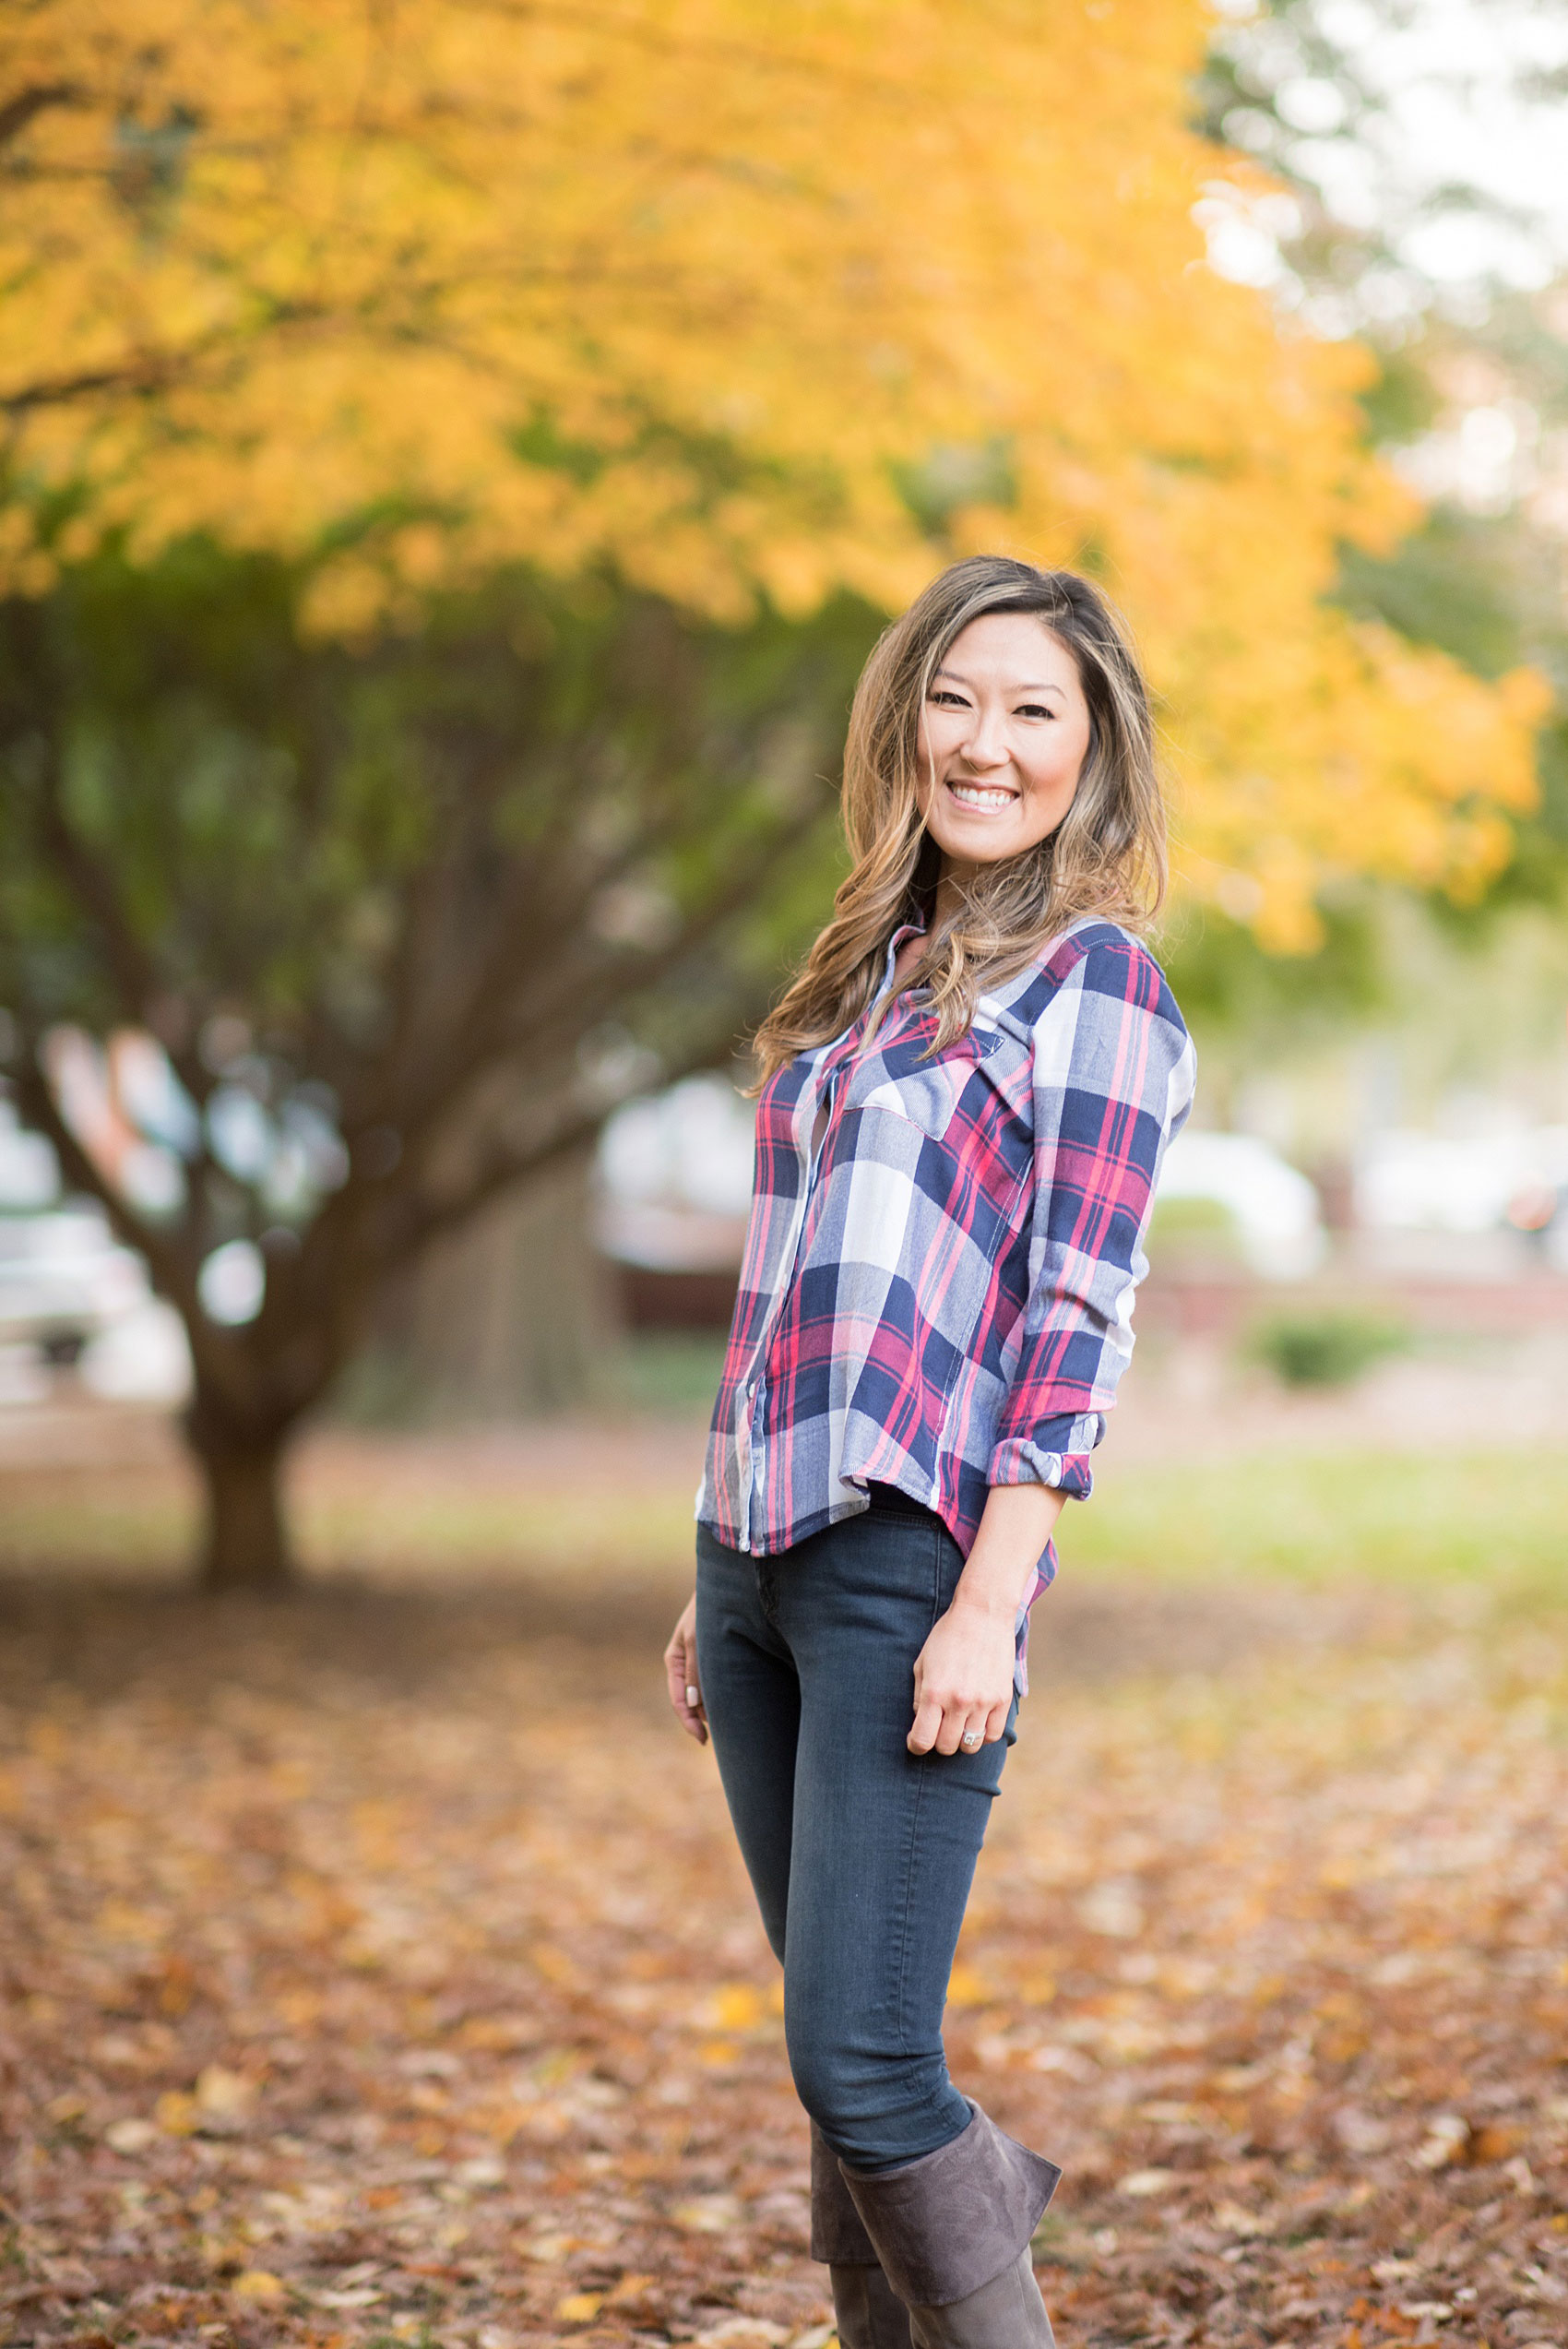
[927,1092]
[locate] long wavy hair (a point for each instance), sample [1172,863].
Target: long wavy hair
[1107,857]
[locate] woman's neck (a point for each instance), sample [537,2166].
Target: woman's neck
[950,893]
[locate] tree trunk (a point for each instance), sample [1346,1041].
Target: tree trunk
[511,1316]
[245,1544]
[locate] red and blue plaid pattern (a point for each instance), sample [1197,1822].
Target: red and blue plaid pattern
[939,1272]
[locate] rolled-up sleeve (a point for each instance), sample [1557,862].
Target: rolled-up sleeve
[1112,1081]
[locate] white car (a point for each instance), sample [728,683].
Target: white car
[63,1279]
[1272,1207]
[1409,1181]
[71,1296]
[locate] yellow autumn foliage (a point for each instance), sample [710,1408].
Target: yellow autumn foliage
[716,290]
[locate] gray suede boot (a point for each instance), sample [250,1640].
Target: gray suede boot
[953,2230]
[1006,2313]
[867,2310]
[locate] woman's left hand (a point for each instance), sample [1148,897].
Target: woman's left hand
[963,1680]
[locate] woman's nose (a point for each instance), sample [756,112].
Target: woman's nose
[987,742]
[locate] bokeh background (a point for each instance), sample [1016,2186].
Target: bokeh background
[456,461]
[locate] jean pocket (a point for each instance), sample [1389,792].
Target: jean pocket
[948,1565]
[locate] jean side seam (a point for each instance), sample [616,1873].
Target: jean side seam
[913,1842]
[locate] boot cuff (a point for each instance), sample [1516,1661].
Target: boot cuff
[838,2235]
[947,2223]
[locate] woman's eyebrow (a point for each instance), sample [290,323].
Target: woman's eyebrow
[954,677]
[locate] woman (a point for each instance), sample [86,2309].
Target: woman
[966,1092]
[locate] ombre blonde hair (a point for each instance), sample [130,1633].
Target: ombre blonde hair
[1107,857]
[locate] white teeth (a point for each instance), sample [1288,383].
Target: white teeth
[978,795]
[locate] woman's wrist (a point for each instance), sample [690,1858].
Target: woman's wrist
[1016,1524]
[993,1589]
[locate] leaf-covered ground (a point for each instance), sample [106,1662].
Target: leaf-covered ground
[378,1968]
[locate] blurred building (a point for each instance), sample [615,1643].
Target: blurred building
[673,1192]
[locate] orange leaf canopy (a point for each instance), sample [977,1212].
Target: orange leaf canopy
[729,293]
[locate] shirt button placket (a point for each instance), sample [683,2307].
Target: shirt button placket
[756,1510]
[756,1464]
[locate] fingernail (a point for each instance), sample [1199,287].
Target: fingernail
[694,1696]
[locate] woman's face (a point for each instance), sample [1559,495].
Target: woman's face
[1002,740]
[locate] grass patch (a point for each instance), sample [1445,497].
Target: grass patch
[1325,1349]
[609,1530]
[142,1526]
[1399,1518]
[670,1370]
[1404,1519]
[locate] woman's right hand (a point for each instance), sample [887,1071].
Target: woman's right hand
[680,1669]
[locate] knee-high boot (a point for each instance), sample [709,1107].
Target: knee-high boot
[951,2231]
[867,2310]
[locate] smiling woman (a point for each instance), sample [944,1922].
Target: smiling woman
[967,1096]
[999,772]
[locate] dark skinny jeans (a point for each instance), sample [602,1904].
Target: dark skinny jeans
[862,1854]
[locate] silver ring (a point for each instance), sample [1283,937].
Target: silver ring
[969,1740]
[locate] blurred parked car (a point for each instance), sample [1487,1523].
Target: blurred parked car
[1538,1211]
[62,1280]
[1473,1183]
[72,1297]
[1472,1190]
[1238,1195]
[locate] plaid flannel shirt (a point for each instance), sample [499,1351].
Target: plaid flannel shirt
[937,1294]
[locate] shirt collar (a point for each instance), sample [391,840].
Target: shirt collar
[904,930]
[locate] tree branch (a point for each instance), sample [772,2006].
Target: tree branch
[592,998]
[473,1022]
[132,967]
[18,112]
[134,973]
[505,1168]
[147,373]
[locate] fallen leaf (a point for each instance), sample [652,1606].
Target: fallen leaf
[548,2248]
[735,2006]
[260,2285]
[224,2100]
[1236,2221]
[579,2308]
[1445,2142]
[708,2213]
[631,2287]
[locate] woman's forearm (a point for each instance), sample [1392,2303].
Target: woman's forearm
[1016,1524]
[964,1674]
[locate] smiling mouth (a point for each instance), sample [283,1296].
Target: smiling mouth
[983,799]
